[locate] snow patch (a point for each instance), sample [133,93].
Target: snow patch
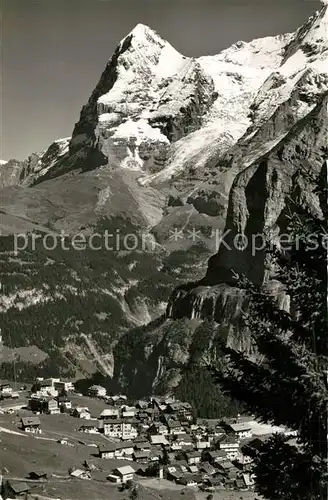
[170,62]
[141,131]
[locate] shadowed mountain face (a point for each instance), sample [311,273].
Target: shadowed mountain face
[172,152]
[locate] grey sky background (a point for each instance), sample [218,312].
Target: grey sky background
[54,51]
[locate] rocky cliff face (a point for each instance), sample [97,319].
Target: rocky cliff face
[10,172]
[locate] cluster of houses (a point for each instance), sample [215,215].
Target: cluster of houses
[174,445]
[51,396]
[156,437]
[52,386]
[161,436]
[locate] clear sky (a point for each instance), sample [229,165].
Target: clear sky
[54,51]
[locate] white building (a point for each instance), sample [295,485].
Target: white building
[122,474]
[90,427]
[203,444]
[81,412]
[241,430]
[47,387]
[120,428]
[230,445]
[112,412]
[158,439]
[128,411]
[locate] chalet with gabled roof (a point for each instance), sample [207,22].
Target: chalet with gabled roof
[214,457]
[193,457]
[230,445]
[122,474]
[240,430]
[107,450]
[15,489]
[31,424]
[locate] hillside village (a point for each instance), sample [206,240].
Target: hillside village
[126,442]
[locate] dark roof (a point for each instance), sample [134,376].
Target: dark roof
[141,454]
[38,474]
[208,468]
[184,437]
[187,447]
[108,420]
[185,478]
[19,487]
[217,428]
[141,439]
[142,446]
[141,468]
[89,425]
[27,421]
[226,465]
[217,453]
[227,439]
[156,452]
[126,444]
[209,421]
[176,406]
[194,454]
[107,448]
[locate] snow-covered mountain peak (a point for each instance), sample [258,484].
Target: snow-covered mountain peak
[315,42]
[145,39]
[260,53]
[143,48]
[144,34]
[316,27]
[143,60]
[310,41]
